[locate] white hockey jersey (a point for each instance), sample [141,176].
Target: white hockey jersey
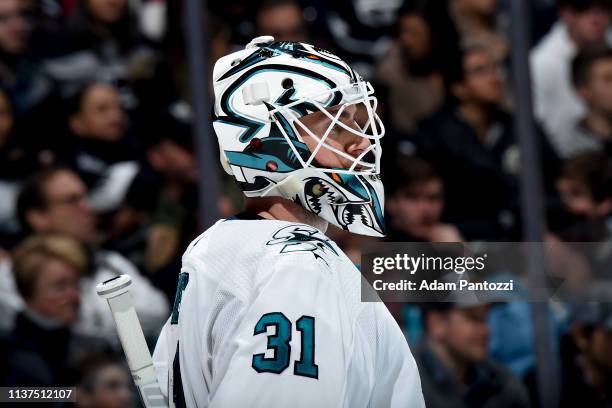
[268,314]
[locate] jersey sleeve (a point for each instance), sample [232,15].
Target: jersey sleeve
[162,358]
[291,347]
[398,383]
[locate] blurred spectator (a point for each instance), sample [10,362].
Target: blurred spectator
[592,78]
[471,139]
[107,27]
[479,25]
[361,31]
[21,154]
[415,203]
[472,145]
[236,14]
[104,382]
[55,201]
[99,148]
[583,24]
[585,186]
[544,14]
[152,17]
[20,73]
[587,368]
[412,70]
[156,221]
[102,42]
[46,18]
[15,29]
[18,163]
[281,19]
[453,364]
[220,42]
[99,114]
[41,348]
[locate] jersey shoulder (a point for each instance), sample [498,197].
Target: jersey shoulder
[261,240]
[292,239]
[243,255]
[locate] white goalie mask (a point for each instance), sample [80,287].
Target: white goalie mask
[262,94]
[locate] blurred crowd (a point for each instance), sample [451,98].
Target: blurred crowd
[98,174]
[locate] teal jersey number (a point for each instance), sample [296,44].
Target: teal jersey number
[280,344]
[180,288]
[305,366]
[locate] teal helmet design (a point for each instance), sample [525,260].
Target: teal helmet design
[261,94]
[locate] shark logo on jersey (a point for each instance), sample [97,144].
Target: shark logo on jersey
[302,238]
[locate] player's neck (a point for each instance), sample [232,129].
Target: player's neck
[278,208]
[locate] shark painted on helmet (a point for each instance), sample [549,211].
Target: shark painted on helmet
[261,93]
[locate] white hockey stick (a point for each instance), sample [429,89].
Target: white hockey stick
[116,292]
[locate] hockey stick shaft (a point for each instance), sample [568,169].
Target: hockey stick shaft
[116,292]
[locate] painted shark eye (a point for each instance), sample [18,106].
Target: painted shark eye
[272,165]
[287,83]
[255,144]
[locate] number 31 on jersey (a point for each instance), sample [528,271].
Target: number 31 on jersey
[279,342]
